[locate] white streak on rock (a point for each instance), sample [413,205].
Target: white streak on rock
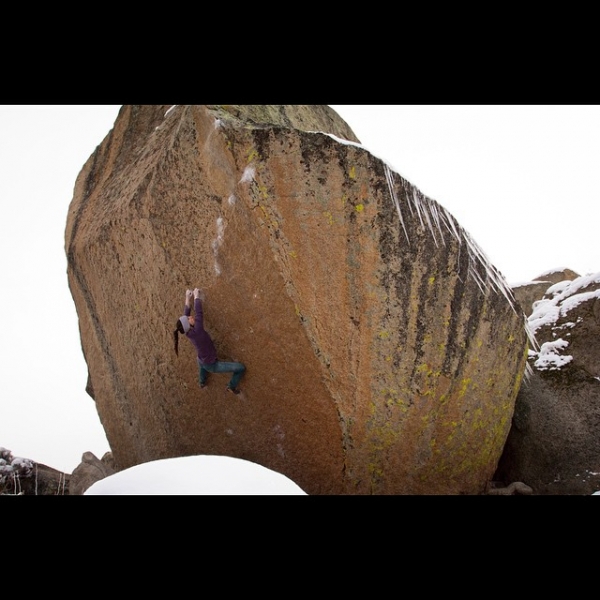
[217,242]
[170,110]
[248,174]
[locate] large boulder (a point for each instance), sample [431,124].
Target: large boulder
[554,442]
[383,351]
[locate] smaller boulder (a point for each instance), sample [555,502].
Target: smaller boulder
[24,477]
[89,471]
[529,292]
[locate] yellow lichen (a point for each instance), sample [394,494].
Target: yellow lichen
[263,191]
[463,386]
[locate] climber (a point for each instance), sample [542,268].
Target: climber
[193,328]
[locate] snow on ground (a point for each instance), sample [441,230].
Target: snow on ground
[196,475]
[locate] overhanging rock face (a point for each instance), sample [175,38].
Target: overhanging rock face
[383,351]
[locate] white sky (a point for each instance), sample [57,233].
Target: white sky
[522,180]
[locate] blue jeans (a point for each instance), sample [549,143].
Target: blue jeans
[221,367]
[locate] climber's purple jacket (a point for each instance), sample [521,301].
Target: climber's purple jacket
[205,349]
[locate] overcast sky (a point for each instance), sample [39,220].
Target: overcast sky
[521,179]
